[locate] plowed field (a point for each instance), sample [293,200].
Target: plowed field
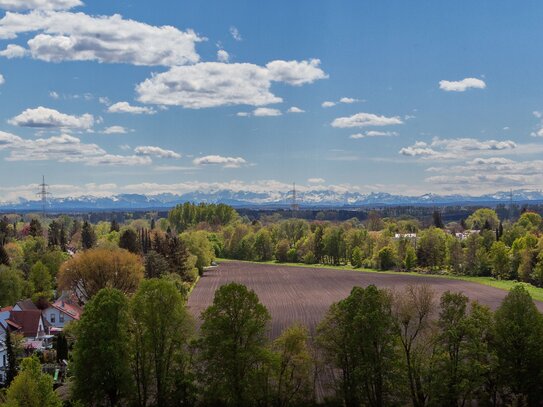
[301,294]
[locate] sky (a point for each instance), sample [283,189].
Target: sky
[134,96]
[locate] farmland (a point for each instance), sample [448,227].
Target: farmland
[304,294]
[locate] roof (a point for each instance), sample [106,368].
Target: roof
[26,321]
[68,308]
[26,305]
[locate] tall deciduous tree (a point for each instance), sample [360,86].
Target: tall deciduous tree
[160,335]
[358,336]
[519,329]
[232,346]
[101,354]
[129,241]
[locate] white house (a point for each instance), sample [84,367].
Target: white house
[61,312]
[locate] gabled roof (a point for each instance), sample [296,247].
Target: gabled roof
[26,305]
[26,322]
[68,308]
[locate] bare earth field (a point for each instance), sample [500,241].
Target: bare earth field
[301,294]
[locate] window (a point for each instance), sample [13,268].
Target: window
[52,319]
[61,317]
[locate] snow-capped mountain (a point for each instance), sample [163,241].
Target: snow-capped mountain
[310,198]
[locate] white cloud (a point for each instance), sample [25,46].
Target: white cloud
[39,4]
[296,73]
[316,180]
[64,148]
[66,36]
[243,114]
[373,133]
[115,130]
[537,133]
[54,95]
[223,56]
[327,103]
[365,120]
[348,100]
[2,79]
[50,118]
[212,84]
[266,112]
[234,32]
[537,114]
[295,109]
[156,151]
[455,148]
[461,86]
[125,107]
[226,162]
[14,51]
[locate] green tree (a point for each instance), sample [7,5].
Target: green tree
[357,257]
[500,262]
[61,346]
[385,258]
[160,355]
[40,277]
[199,245]
[12,285]
[358,337]
[88,237]
[293,368]
[281,251]
[410,260]
[263,245]
[431,248]
[36,229]
[483,218]
[519,329]
[156,265]
[31,387]
[4,258]
[232,346]
[101,353]
[129,240]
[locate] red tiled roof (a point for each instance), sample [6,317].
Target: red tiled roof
[68,308]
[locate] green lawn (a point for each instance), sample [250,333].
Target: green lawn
[535,292]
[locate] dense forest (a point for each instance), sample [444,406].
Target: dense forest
[137,344]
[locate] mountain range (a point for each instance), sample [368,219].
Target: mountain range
[317,198]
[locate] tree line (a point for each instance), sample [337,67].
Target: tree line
[374,348]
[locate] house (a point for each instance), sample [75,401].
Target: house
[405,236]
[4,314]
[61,312]
[31,325]
[466,233]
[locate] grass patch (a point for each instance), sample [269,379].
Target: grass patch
[506,285]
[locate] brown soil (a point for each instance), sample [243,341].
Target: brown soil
[301,294]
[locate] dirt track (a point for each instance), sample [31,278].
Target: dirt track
[303,294]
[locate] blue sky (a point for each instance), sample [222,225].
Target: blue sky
[175,96]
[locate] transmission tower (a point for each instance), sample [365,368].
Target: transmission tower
[43,193]
[510,204]
[294,202]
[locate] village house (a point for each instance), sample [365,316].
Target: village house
[61,312]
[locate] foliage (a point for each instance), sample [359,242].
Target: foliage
[101,353]
[31,387]
[232,346]
[91,270]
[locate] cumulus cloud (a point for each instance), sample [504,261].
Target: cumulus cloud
[64,148]
[67,36]
[13,51]
[156,152]
[266,112]
[223,56]
[461,86]
[115,130]
[373,133]
[226,162]
[43,117]
[295,109]
[212,84]
[327,103]
[125,107]
[366,120]
[234,32]
[2,79]
[347,100]
[455,148]
[39,4]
